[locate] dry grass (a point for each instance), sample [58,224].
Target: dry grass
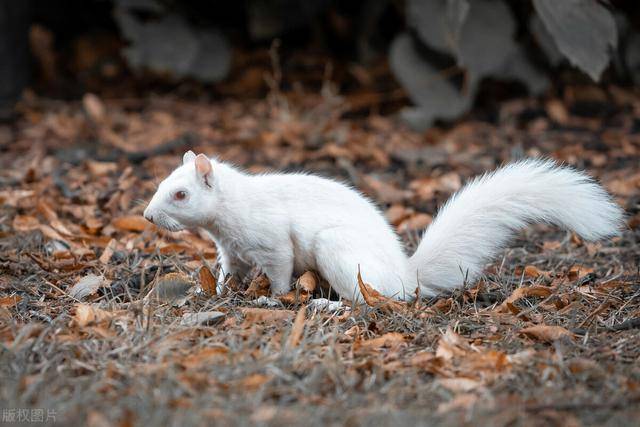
[457,359]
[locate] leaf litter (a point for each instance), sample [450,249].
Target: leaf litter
[106,317]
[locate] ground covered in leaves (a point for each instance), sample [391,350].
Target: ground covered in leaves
[106,319]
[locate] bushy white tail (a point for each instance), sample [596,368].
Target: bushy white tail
[477,222]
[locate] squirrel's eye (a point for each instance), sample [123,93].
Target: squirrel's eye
[180,195]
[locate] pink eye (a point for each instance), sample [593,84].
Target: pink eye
[180,195]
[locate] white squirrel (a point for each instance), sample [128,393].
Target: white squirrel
[287,223]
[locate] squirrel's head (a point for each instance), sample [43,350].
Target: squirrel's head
[185,197]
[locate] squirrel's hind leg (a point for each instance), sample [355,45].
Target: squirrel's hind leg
[337,263]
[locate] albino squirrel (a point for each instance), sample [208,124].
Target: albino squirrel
[286,223]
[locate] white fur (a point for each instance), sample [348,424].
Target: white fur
[288,223]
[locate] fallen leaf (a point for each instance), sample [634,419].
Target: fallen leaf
[205,318]
[12,197]
[523,292]
[577,272]
[557,111]
[93,225]
[255,314]
[10,301]
[462,401]
[87,314]
[398,213]
[307,282]
[254,381]
[263,414]
[106,255]
[87,285]
[94,107]
[388,340]
[452,345]
[204,357]
[385,192]
[294,297]
[532,271]
[259,286]
[207,281]
[551,245]
[547,333]
[131,223]
[374,298]
[297,329]
[98,169]
[416,222]
[25,223]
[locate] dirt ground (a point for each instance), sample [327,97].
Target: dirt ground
[93,331]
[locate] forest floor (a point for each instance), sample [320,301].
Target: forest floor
[93,331]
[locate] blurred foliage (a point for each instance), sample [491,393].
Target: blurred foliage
[441,52]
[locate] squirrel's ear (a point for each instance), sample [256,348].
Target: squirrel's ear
[188,157]
[204,170]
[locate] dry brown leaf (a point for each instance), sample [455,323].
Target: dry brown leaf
[86,315]
[204,357]
[523,292]
[131,223]
[452,345]
[87,285]
[98,169]
[259,286]
[25,223]
[579,364]
[294,297]
[546,333]
[106,255]
[551,245]
[94,107]
[253,382]
[10,301]
[462,401]
[557,111]
[398,213]
[577,272]
[297,329]
[47,211]
[385,192]
[533,272]
[256,314]
[426,188]
[12,197]
[307,282]
[374,298]
[388,340]
[207,281]
[416,222]
[93,225]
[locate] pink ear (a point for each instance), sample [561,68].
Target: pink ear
[204,168]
